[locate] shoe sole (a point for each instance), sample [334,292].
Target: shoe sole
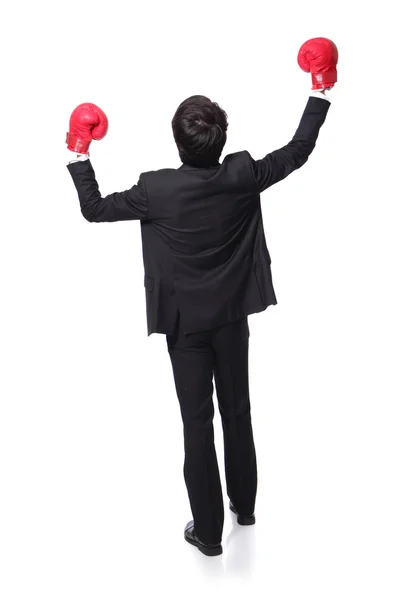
[208,551]
[243,520]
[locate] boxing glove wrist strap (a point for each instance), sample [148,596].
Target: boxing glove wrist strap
[77,144]
[324,79]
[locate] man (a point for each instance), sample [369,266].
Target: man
[207,267]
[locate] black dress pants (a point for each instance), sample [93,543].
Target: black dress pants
[197,358]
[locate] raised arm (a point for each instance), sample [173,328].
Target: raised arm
[120,206]
[318,56]
[278,164]
[88,122]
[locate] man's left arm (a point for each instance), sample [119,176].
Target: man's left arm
[119,206]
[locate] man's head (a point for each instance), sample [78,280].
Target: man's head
[199,127]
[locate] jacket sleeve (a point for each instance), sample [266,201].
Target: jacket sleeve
[278,164]
[119,206]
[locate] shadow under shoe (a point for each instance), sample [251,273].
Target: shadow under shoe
[207,549]
[250,520]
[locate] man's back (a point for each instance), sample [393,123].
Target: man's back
[202,246]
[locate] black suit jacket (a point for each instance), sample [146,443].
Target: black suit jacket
[204,250]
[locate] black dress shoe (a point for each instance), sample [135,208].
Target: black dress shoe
[207,549]
[243,520]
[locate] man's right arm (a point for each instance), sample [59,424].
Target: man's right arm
[278,164]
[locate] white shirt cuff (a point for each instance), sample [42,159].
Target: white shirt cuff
[74,157]
[319,94]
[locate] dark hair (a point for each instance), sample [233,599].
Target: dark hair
[199,127]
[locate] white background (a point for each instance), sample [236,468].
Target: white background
[93,502]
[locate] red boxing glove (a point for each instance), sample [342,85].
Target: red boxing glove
[87,122]
[319,57]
